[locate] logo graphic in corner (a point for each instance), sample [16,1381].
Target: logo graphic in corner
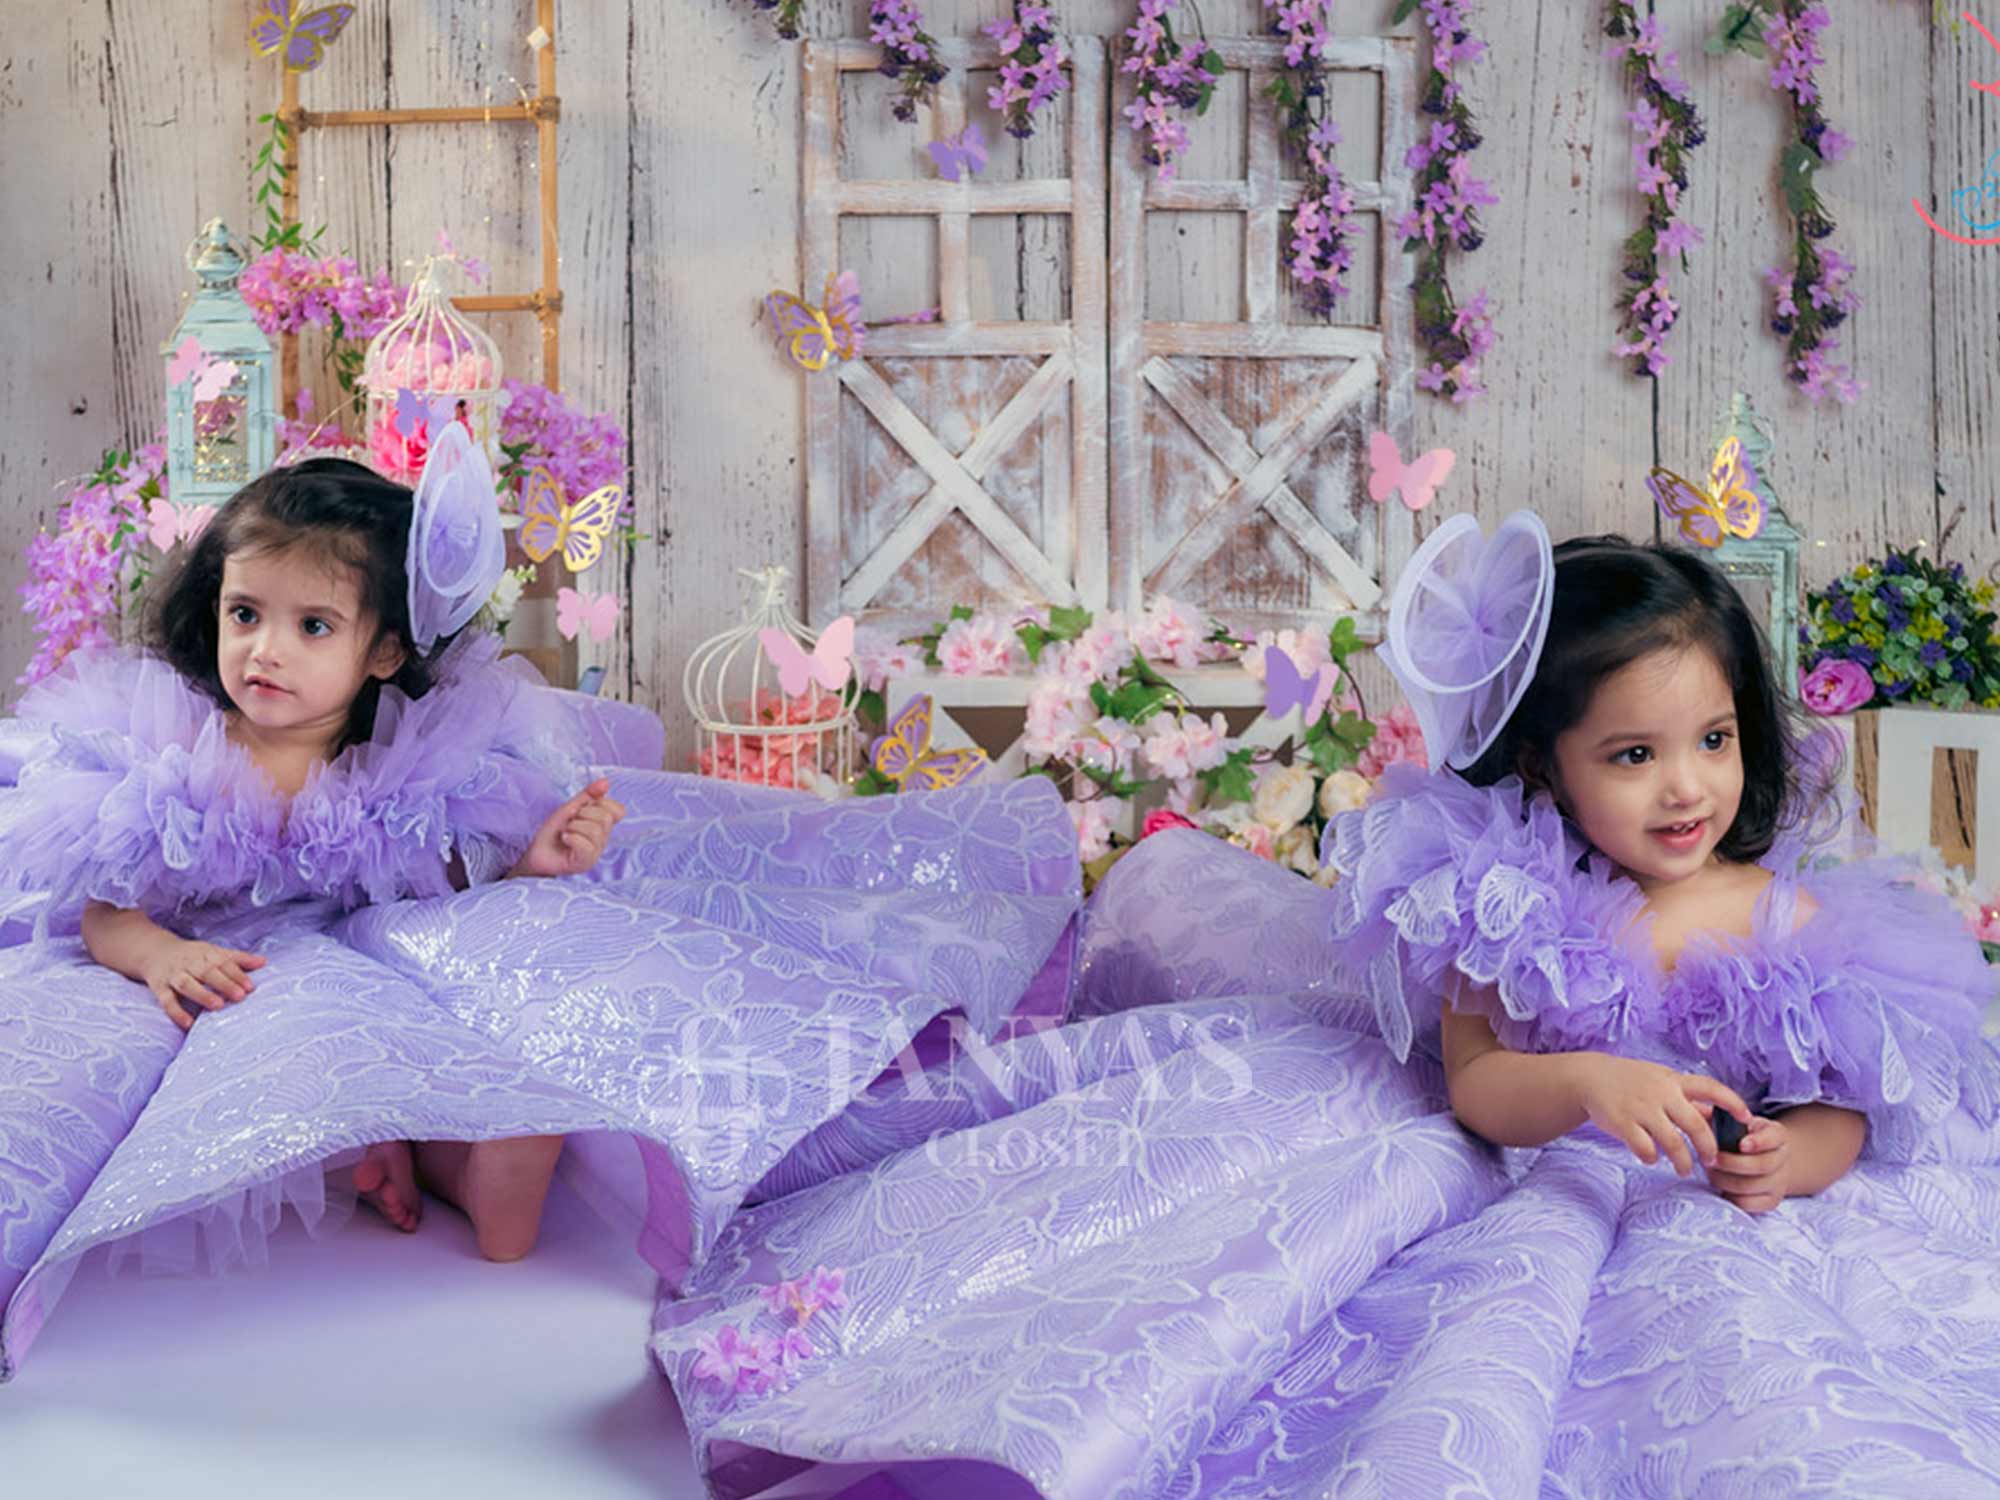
[1976,206]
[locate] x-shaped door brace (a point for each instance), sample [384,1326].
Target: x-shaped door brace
[956,481]
[1258,480]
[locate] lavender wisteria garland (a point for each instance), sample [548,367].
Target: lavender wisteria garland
[1169,83]
[1321,250]
[1666,127]
[909,54]
[1814,297]
[1445,220]
[1032,55]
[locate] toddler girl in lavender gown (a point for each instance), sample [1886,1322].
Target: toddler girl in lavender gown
[289,614]
[1242,1230]
[264,915]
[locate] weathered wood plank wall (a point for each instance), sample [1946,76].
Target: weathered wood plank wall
[123,124]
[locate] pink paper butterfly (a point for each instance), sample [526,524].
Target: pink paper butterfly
[1418,479]
[828,665]
[188,361]
[303,36]
[1286,688]
[167,523]
[214,379]
[964,152]
[577,612]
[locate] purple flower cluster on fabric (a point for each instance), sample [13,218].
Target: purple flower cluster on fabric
[747,1363]
[1032,55]
[909,53]
[1814,298]
[1321,250]
[1446,216]
[1169,81]
[1665,127]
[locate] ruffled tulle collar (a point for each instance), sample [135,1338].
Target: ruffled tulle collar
[1855,982]
[134,793]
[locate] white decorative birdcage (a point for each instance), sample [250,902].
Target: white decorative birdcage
[450,370]
[747,726]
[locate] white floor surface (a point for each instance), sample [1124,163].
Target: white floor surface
[365,1364]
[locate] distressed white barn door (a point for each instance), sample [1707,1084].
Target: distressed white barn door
[961,461]
[1239,434]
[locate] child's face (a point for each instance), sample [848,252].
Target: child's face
[1653,773]
[294,645]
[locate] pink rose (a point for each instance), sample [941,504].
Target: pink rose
[1987,927]
[396,456]
[1836,687]
[1162,818]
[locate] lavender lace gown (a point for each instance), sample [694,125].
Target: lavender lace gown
[737,967]
[1220,1237]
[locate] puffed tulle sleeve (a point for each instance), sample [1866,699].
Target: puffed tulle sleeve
[1861,988]
[127,789]
[1483,894]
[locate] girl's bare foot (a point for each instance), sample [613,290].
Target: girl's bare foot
[386,1180]
[500,1185]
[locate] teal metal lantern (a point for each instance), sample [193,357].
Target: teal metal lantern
[1768,563]
[222,401]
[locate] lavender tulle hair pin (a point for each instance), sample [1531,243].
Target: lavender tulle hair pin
[457,551]
[1466,626]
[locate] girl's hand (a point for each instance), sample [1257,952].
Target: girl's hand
[1756,1178]
[207,975]
[1653,1109]
[574,835]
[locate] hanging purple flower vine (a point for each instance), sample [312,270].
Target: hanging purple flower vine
[1168,83]
[1665,127]
[909,54]
[1814,297]
[1445,220]
[785,16]
[1322,251]
[1032,55]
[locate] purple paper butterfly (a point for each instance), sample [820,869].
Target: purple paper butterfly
[278,25]
[964,152]
[1286,688]
[413,407]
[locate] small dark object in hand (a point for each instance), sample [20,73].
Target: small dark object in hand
[1729,1131]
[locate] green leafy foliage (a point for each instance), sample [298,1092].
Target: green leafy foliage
[269,172]
[1066,623]
[1233,780]
[1741,29]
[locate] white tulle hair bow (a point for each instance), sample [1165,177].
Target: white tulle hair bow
[457,550]
[1466,628]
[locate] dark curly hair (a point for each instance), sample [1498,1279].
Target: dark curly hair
[1617,601]
[336,510]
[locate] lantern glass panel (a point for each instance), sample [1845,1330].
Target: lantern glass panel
[221,444]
